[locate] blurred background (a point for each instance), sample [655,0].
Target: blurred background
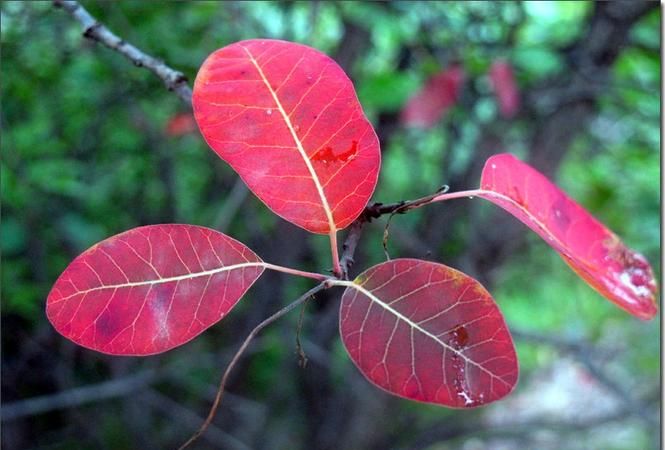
[93,146]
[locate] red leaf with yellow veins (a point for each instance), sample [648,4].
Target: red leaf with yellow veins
[591,249]
[151,289]
[286,118]
[427,332]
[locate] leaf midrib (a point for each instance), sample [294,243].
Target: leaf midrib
[417,327]
[168,279]
[299,146]
[561,246]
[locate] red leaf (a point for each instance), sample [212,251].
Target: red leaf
[505,88]
[426,332]
[181,124]
[150,289]
[286,118]
[439,94]
[591,249]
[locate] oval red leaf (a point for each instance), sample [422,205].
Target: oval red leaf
[590,248]
[439,94]
[287,119]
[150,289]
[426,332]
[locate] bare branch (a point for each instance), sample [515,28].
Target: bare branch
[351,242]
[93,29]
[220,392]
[77,396]
[186,417]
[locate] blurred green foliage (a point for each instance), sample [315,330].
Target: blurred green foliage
[85,154]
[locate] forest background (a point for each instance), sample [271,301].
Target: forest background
[93,146]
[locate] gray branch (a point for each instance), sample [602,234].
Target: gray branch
[93,29]
[216,436]
[77,396]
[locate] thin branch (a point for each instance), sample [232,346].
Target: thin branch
[222,385]
[98,392]
[93,29]
[351,242]
[584,353]
[440,433]
[374,211]
[402,209]
[186,417]
[302,357]
[231,206]
[77,396]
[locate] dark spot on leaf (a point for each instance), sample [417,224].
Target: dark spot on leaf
[106,326]
[327,156]
[459,337]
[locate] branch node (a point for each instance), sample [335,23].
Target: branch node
[91,31]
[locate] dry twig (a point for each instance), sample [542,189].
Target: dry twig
[92,29]
[222,385]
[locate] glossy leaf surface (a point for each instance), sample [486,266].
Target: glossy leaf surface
[286,118]
[151,288]
[590,248]
[426,332]
[430,104]
[505,88]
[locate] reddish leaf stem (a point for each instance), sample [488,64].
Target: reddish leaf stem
[337,268]
[220,392]
[460,194]
[301,273]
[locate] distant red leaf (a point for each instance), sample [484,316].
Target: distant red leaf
[180,124]
[507,94]
[150,289]
[426,332]
[439,94]
[591,249]
[287,119]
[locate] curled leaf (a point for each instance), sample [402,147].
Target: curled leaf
[591,249]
